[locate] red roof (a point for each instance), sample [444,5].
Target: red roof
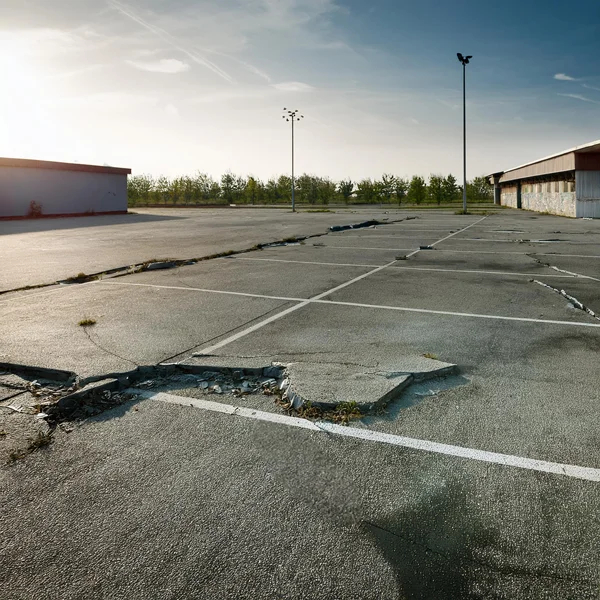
[60,166]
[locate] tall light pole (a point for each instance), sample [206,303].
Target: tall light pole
[292,115]
[465,61]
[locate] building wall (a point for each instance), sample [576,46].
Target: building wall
[588,194]
[556,203]
[60,192]
[508,196]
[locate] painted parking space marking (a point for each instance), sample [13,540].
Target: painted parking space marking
[333,247]
[302,302]
[369,435]
[461,314]
[291,309]
[206,290]
[458,232]
[300,262]
[400,268]
[316,298]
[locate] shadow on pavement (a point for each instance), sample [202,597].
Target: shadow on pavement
[51,224]
[431,546]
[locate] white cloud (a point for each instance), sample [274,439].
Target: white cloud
[171,110]
[415,121]
[564,77]
[293,86]
[191,53]
[166,65]
[580,97]
[591,87]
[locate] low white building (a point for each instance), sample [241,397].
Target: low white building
[566,184]
[39,188]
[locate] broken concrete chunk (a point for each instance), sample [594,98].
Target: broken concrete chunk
[274,370]
[161,265]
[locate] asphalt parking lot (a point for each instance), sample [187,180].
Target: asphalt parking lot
[486,488]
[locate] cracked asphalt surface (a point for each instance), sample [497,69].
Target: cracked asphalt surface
[167,501]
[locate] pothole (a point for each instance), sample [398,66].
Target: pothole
[39,400]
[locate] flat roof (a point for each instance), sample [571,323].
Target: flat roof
[60,166]
[591,147]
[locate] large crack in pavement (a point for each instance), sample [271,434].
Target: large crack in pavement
[40,399]
[534,257]
[168,263]
[574,301]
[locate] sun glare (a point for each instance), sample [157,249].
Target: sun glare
[24,125]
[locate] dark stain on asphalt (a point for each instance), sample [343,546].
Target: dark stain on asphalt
[433,545]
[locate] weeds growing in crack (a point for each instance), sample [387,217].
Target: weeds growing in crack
[342,414]
[87,322]
[430,355]
[86,330]
[81,278]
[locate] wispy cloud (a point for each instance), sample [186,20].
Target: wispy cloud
[450,105]
[253,69]
[171,40]
[564,77]
[293,86]
[166,65]
[591,87]
[580,97]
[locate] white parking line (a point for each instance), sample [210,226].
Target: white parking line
[502,252]
[460,314]
[287,311]
[459,231]
[299,262]
[368,435]
[302,302]
[333,247]
[257,326]
[475,271]
[401,234]
[208,291]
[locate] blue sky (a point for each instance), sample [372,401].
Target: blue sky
[175,86]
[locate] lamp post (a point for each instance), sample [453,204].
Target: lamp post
[464,60]
[292,115]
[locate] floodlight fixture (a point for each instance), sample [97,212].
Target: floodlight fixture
[292,115]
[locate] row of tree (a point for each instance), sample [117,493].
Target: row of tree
[310,189]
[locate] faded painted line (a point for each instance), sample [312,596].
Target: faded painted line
[504,252]
[302,262]
[460,314]
[291,309]
[54,289]
[459,231]
[287,311]
[368,435]
[319,300]
[195,289]
[475,271]
[361,248]
[398,235]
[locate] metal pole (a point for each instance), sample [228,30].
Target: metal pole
[293,198]
[464,139]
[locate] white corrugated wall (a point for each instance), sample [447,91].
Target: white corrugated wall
[588,194]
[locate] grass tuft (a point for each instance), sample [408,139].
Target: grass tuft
[430,355]
[87,322]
